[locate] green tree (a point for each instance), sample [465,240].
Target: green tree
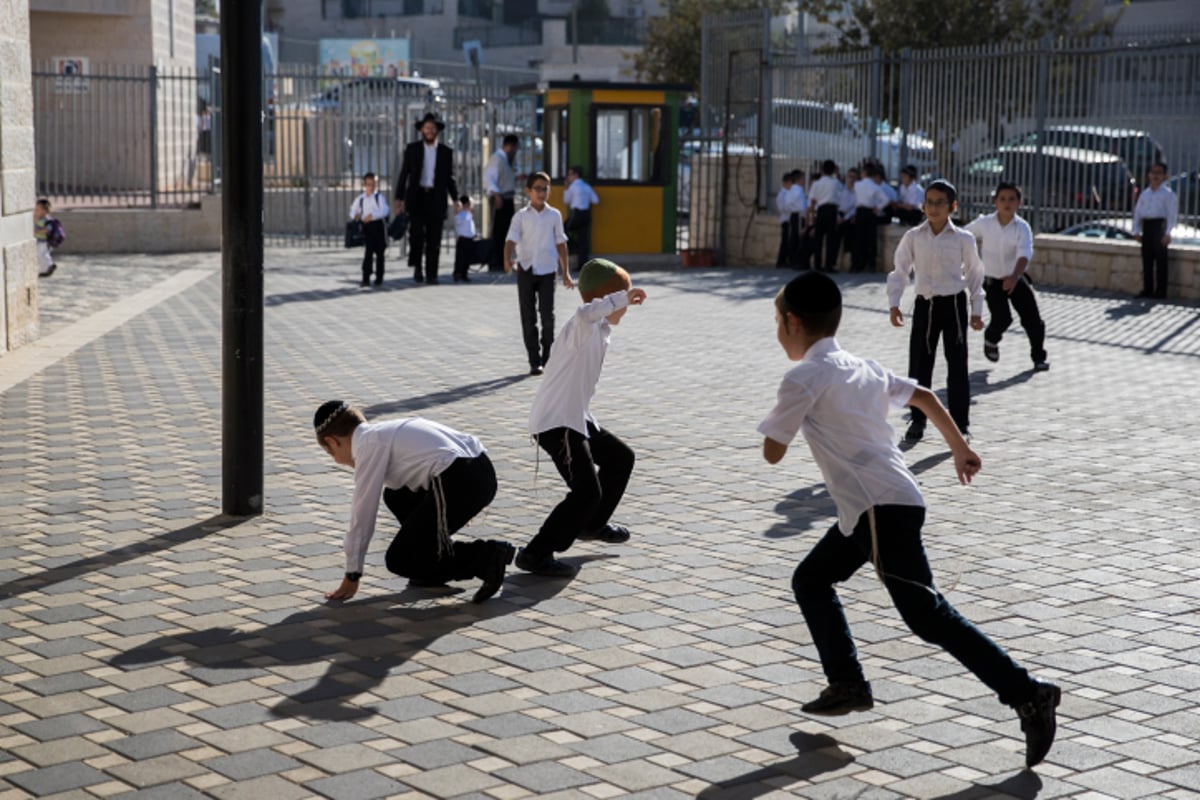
[671,53]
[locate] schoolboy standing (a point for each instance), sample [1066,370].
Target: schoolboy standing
[840,403]
[595,464]
[823,200]
[798,208]
[1006,247]
[870,201]
[1153,220]
[783,209]
[949,275]
[847,203]
[371,208]
[433,478]
[579,198]
[464,232]
[500,181]
[537,246]
[909,198]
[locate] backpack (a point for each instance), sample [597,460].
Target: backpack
[55,235]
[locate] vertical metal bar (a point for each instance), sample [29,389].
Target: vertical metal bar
[242,262]
[1039,168]
[153,117]
[905,112]
[875,101]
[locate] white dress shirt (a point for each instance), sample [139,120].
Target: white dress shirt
[429,165]
[464,224]
[912,194]
[1160,203]
[781,205]
[840,403]
[847,202]
[537,234]
[499,177]
[1002,245]
[399,453]
[869,194]
[889,191]
[945,264]
[580,196]
[374,206]
[566,390]
[797,199]
[824,190]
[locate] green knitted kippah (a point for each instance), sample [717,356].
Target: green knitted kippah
[595,274]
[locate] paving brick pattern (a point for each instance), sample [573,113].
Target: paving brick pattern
[150,648]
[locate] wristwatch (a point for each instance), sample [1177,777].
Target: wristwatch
[353,576]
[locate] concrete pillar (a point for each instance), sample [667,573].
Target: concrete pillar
[19,311]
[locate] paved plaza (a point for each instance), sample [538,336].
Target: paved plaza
[151,648]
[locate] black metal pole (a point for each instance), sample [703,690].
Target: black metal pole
[242,260]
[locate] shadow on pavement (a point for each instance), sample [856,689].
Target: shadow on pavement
[377,635]
[1025,785]
[1130,308]
[816,753]
[341,290]
[425,401]
[76,569]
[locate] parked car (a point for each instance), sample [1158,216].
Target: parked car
[815,131]
[1136,148]
[1122,230]
[1075,180]
[1186,186]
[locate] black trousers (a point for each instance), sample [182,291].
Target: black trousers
[535,293]
[597,469]
[375,236]
[1154,258]
[425,221]
[944,316]
[795,231]
[865,245]
[464,251]
[906,575]
[826,237]
[579,228]
[501,222]
[785,244]
[1025,302]
[845,237]
[468,486]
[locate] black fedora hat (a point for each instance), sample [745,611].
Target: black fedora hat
[430,117]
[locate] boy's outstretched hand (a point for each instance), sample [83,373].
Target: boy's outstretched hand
[343,592]
[636,296]
[966,464]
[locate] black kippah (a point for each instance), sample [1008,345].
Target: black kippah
[812,293]
[326,413]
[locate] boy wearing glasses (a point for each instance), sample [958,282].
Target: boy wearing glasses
[537,246]
[949,274]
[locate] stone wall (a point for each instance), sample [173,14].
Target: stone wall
[18,253]
[1109,265]
[143,230]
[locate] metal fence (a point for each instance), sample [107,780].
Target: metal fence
[122,136]
[1076,124]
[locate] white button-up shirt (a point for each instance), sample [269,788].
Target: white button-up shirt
[797,199]
[464,224]
[429,165]
[840,403]
[912,194]
[824,190]
[1160,203]
[399,453]
[537,235]
[566,390]
[580,196]
[944,263]
[1002,245]
[375,206]
[847,202]
[499,177]
[781,205]
[869,194]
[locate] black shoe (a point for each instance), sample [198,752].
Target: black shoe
[493,570]
[610,533]
[365,283]
[431,281]
[1038,721]
[991,351]
[465,279]
[1041,366]
[915,432]
[841,698]
[418,276]
[379,281]
[536,369]
[1145,293]
[546,565]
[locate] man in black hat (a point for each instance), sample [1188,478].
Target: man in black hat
[426,180]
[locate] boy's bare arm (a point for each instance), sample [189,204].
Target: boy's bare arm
[966,461]
[773,451]
[564,263]
[510,248]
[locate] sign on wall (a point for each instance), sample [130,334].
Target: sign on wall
[70,72]
[364,58]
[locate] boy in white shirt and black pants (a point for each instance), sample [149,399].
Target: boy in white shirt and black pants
[949,274]
[1006,246]
[871,201]
[1153,220]
[823,198]
[798,211]
[372,209]
[783,208]
[579,197]
[840,403]
[595,464]
[464,248]
[538,244]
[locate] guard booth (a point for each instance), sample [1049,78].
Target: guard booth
[625,136]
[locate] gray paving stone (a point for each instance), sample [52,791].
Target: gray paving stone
[544,777]
[58,778]
[251,764]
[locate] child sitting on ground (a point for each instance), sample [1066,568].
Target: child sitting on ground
[564,427]
[433,478]
[48,232]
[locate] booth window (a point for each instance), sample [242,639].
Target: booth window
[557,136]
[629,144]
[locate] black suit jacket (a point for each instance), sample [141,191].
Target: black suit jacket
[409,182]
